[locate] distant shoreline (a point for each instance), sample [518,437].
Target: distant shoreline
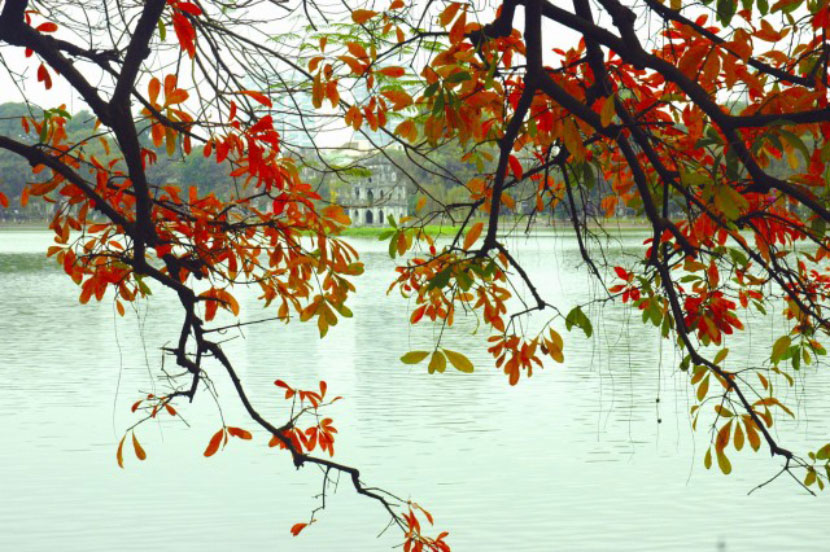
[613,225]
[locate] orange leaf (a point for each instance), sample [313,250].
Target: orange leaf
[407,130]
[169,84]
[473,234]
[239,432]
[357,50]
[153,89]
[399,98]
[449,14]
[362,16]
[356,67]
[139,452]
[213,446]
[176,97]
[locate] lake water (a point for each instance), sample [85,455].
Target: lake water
[582,456]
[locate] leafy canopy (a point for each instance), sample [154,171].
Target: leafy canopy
[713,128]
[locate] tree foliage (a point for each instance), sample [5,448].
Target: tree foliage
[713,128]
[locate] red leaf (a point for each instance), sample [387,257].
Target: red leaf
[47,27]
[4,201]
[621,273]
[192,9]
[258,96]
[185,33]
[297,528]
[393,72]
[43,76]
[515,167]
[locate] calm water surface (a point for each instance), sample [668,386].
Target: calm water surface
[582,456]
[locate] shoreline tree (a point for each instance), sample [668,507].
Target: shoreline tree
[647,122]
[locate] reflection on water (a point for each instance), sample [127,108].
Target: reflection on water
[582,456]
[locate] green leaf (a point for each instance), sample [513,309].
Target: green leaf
[431,89]
[780,347]
[707,460]
[721,355]
[795,142]
[414,357]
[824,452]
[438,363]
[441,279]
[162,30]
[461,76]
[726,9]
[577,318]
[464,280]
[393,245]
[703,388]
[459,361]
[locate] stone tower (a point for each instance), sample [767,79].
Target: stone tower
[372,199]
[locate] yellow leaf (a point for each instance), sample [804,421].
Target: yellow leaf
[414,357]
[607,113]
[473,234]
[724,464]
[438,363]
[119,454]
[420,204]
[703,388]
[739,437]
[459,361]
